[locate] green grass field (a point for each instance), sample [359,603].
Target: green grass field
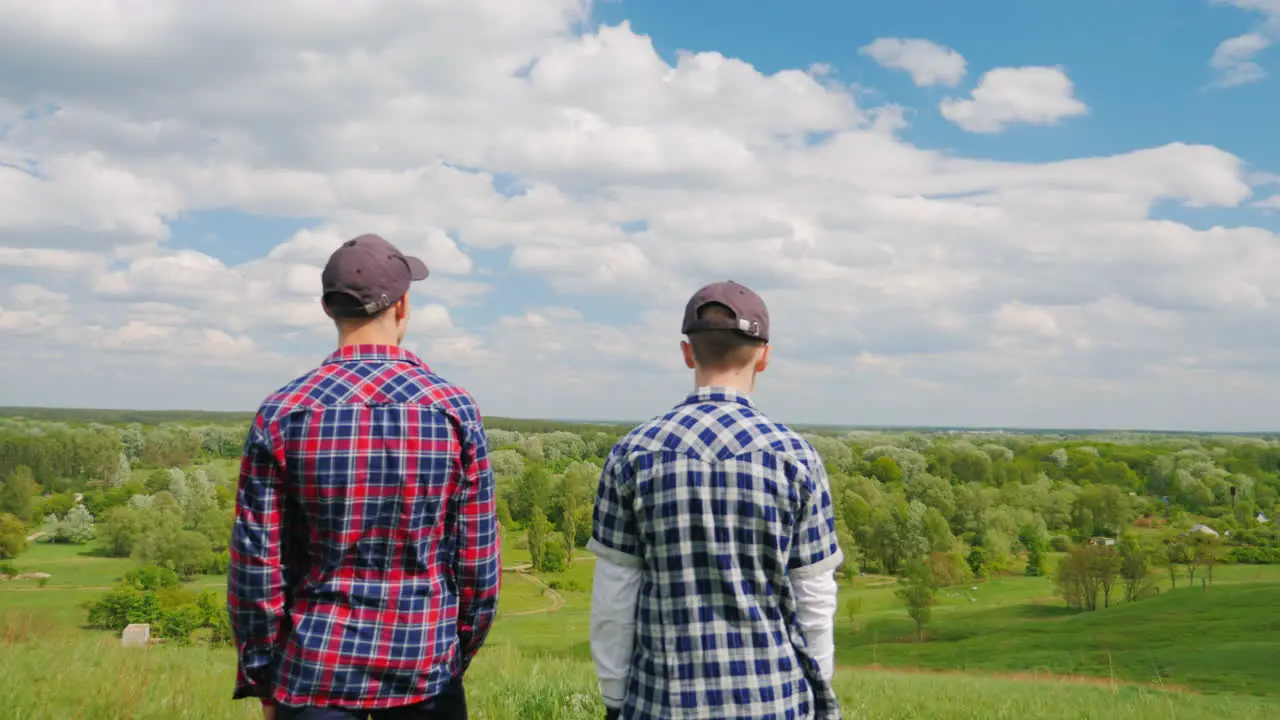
[1225,639]
[93,677]
[1210,651]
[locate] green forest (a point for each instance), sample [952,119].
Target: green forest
[936,509]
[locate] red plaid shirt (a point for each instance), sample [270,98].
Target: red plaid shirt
[365,553]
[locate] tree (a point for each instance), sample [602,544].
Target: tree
[1135,568]
[977,560]
[1035,559]
[577,488]
[51,529]
[532,490]
[554,558]
[1176,552]
[178,487]
[536,535]
[919,590]
[1105,566]
[1032,537]
[58,505]
[886,470]
[122,472]
[1205,551]
[1077,580]
[77,527]
[18,493]
[13,536]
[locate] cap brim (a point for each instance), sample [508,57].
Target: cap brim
[417,268]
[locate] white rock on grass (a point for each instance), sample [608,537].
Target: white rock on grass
[136,635]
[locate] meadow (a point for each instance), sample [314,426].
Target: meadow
[1013,652]
[990,519]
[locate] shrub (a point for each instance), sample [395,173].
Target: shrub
[151,577]
[178,624]
[1254,555]
[221,633]
[977,561]
[1060,543]
[123,606]
[218,563]
[553,557]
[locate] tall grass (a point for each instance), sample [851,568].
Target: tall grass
[62,675]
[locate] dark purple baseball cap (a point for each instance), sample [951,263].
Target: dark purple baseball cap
[371,273]
[750,316]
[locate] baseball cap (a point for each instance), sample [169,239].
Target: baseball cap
[372,273]
[750,316]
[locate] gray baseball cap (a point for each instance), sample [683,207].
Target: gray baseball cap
[372,273]
[750,316]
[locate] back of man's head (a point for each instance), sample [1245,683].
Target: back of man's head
[723,349]
[366,285]
[727,325]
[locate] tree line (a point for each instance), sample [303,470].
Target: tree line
[962,505]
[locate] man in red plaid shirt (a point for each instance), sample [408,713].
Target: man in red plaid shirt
[365,554]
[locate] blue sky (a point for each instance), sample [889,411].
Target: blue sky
[1072,270]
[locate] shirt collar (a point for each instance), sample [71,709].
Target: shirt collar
[374,353]
[718,394]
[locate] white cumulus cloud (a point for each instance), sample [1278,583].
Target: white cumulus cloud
[1234,61]
[1015,95]
[907,283]
[928,62]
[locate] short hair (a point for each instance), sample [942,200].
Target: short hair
[722,349]
[345,307]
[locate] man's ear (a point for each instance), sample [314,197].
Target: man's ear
[762,360]
[687,350]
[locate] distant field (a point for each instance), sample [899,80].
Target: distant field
[152,418]
[537,664]
[1224,640]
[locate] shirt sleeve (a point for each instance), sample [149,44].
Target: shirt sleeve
[256,581]
[816,599]
[614,532]
[815,548]
[615,590]
[479,546]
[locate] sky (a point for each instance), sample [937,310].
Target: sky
[985,213]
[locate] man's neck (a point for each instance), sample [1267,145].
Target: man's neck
[743,381]
[367,335]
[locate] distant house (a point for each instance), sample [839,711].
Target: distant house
[1203,529]
[1105,541]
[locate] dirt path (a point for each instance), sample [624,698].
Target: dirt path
[557,600]
[524,571]
[1019,677]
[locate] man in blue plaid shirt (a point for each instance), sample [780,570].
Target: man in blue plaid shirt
[715,592]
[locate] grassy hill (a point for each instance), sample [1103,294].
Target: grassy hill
[1224,640]
[93,677]
[989,641]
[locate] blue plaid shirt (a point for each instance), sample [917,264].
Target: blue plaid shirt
[720,507]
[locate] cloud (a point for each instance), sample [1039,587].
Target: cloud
[569,189]
[1234,60]
[1015,95]
[928,62]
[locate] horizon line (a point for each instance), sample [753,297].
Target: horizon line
[16,410]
